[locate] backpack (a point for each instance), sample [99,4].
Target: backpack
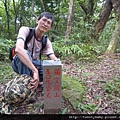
[31,33]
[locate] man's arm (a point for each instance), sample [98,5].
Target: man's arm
[53,57]
[23,56]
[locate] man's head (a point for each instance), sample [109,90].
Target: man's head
[47,15]
[45,21]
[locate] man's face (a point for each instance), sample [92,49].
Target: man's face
[44,24]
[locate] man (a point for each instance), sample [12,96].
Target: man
[23,63]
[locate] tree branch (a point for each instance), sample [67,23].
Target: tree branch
[32,9]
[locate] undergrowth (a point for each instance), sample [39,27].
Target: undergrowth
[113,86]
[80,51]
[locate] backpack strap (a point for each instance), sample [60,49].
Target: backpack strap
[31,33]
[44,42]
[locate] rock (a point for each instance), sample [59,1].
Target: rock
[72,90]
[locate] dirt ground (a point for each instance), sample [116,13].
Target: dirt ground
[101,97]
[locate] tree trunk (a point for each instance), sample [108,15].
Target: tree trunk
[7,15]
[116,33]
[103,18]
[69,22]
[88,10]
[14,7]
[21,12]
[114,39]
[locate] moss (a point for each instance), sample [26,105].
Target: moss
[72,90]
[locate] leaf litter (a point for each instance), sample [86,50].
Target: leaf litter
[97,76]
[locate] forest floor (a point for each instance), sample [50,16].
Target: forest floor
[102,81]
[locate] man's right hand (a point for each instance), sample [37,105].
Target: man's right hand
[35,80]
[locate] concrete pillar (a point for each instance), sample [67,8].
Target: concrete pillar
[52,74]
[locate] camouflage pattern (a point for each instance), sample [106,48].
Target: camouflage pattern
[17,92]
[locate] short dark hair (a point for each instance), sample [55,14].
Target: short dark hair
[47,15]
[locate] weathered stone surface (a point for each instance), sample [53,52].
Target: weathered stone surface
[72,90]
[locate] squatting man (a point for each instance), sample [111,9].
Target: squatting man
[23,63]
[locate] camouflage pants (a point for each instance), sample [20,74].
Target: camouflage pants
[17,92]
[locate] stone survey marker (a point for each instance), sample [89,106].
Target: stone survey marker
[52,74]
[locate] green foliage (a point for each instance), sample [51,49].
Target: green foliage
[64,110]
[113,86]
[117,50]
[104,38]
[88,107]
[6,72]
[5,45]
[79,44]
[78,50]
